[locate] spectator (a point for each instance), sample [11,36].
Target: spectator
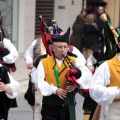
[99,22]
[90,34]
[76,38]
[83,12]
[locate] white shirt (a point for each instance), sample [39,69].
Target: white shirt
[13,55]
[15,86]
[47,89]
[98,91]
[91,60]
[79,55]
[29,53]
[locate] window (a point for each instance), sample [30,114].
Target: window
[6,14]
[44,8]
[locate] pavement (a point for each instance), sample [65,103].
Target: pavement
[21,74]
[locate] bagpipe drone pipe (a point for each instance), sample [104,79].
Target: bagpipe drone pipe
[111,37]
[5,102]
[48,30]
[72,75]
[45,34]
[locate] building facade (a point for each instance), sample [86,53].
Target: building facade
[19,17]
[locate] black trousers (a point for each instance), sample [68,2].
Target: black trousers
[93,110]
[88,104]
[51,112]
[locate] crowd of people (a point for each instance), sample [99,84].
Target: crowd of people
[62,65]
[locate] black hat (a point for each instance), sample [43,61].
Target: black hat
[62,38]
[103,4]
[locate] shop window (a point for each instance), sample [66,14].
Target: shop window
[46,9]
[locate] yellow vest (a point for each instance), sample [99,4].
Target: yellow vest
[48,64]
[114,67]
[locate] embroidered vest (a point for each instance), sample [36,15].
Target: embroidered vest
[53,99]
[114,67]
[49,71]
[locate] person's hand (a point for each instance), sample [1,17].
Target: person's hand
[29,65]
[5,87]
[91,68]
[61,93]
[2,87]
[70,88]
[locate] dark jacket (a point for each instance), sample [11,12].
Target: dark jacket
[91,35]
[76,38]
[100,22]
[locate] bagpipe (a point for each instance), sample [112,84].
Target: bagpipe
[45,34]
[110,41]
[104,18]
[73,74]
[48,30]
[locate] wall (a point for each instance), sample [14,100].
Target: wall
[26,30]
[66,16]
[113,9]
[29,22]
[26,24]
[21,27]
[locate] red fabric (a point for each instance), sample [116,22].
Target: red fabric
[84,90]
[2,48]
[10,67]
[93,72]
[45,37]
[71,76]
